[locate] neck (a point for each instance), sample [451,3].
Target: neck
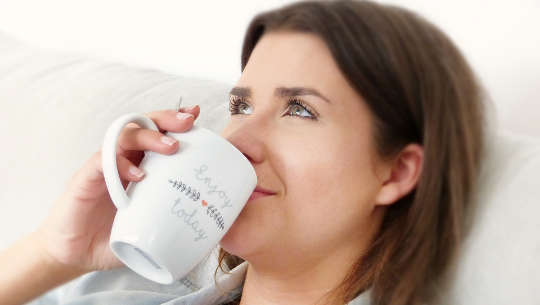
[303,277]
[305,281]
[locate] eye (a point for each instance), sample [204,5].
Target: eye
[298,108]
[238,105]
[295,107]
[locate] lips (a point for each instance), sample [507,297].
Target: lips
[260,192]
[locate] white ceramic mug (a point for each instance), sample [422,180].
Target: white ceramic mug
[170,220]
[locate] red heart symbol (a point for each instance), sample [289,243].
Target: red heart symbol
[204,203]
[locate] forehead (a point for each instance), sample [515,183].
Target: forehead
[286,58]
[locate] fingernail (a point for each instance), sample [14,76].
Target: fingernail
[183,115]
[167,140]
[190,108]
[135,171]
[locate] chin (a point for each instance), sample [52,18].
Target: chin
[233,242]
[253,231]
[243,238]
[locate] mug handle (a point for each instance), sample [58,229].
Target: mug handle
[108,156]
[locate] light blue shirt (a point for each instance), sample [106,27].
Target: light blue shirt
[124,287]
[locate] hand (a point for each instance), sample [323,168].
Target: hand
[76,232]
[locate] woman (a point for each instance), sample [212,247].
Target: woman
[364,124]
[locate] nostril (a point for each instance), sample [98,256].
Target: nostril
[248,157]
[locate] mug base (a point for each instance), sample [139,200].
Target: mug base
[141,262]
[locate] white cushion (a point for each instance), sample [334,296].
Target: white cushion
[56,108]
[499,260]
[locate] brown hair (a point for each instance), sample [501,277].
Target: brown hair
[419,89]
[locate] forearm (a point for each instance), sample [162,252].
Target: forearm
[26,272]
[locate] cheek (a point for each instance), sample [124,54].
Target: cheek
[330,188]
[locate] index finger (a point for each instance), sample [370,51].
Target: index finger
[170,120]
[195,110]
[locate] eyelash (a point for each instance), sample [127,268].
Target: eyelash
[235,103]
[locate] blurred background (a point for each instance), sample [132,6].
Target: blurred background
[203,38]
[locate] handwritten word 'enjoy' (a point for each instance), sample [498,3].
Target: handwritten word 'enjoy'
[212,188]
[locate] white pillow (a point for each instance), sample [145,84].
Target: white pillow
[499,262]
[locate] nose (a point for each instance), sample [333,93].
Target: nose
[247,135]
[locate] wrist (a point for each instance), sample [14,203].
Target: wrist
[28,271]
[50,263]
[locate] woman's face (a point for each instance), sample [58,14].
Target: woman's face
[308,135]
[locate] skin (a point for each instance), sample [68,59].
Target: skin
[331,188]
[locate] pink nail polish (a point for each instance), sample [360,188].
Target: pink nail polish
[183,115]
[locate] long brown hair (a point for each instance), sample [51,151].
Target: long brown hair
[419,89]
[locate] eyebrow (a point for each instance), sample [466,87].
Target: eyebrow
[281,91]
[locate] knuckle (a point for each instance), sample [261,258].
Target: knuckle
[95,159]
[186,126]
[153,115]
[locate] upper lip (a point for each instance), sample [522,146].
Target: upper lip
[263,190]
